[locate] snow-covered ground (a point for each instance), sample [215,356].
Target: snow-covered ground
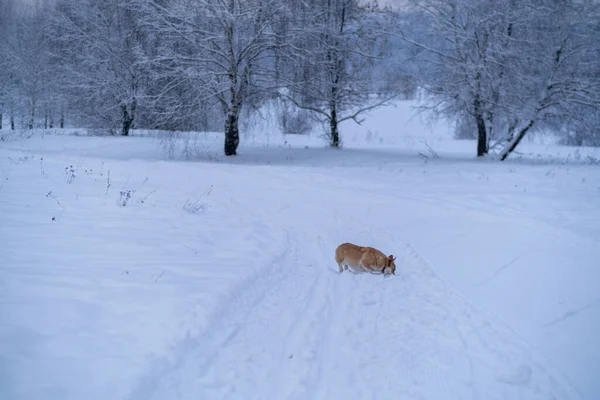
[127,274]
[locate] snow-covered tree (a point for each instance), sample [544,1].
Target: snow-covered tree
[504,66]
[25,66]
[97,45]
[32,67]
[5,76]
[9,86]
[223,48]
[337,44]
[562,70]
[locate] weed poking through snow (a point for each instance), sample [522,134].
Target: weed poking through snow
[107,182]
[195,206]
[55,219]
[124,197]
[51,195]
[432,153]
[143,200]
[70,173]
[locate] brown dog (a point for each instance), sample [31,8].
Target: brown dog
[364,258]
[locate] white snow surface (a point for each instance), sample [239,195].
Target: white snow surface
[217,279]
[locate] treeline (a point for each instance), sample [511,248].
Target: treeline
[500,69]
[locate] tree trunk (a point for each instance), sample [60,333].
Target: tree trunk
[128,118]
[334,134]
[512,145]
[12,121]
[482,143]
[232,133]
[333,129]
[62,119]
[127,122]
[32,116]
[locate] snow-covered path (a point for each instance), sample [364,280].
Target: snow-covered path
[241,299]
[301,330]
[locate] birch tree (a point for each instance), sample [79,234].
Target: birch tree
[503,65]
[224,48]
[563,38]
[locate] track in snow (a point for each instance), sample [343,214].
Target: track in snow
[301,330]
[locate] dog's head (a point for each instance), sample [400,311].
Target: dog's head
[391,264]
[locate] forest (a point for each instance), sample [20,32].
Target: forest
[498,69]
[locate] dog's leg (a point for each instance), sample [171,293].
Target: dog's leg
[363,268]
[340,267]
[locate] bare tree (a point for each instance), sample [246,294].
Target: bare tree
[225,48]
[26,63]
[504,65]
[4,76]
[97,43]
[338,43]
[565,61]
[8,80]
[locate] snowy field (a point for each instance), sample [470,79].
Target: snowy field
[129,274]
